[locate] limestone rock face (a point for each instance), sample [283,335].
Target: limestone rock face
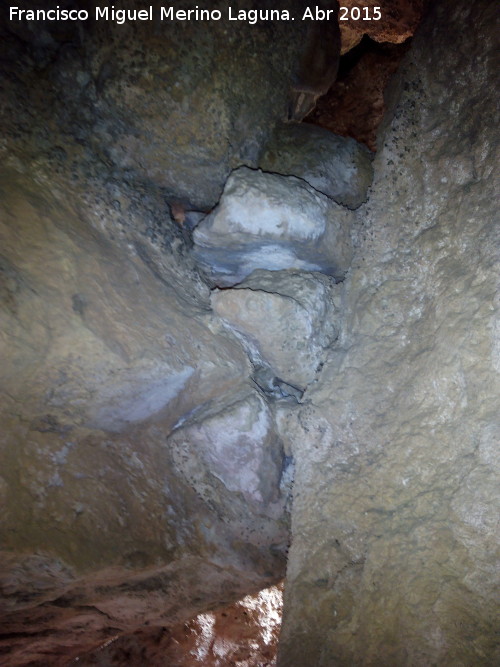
[174,104]
[394,557]
[267,221]
[107,339]
[285,318]
[103,353]
[236,446]
[339,167]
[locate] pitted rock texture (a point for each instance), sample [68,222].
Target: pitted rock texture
[267,221]
[103,352]
[394,557]
[244,634]
[338,167]
[175,105]
[286,320]
[354,106]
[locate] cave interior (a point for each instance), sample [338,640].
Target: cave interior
[250,334]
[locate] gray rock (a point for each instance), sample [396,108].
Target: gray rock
[273,386]
[267,221]
[394,556]
[104,351]
[317,68]
[285,319]
[158,105]
[235,444]
[339,167]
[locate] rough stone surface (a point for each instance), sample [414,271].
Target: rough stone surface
[236,446]
[101,358]
[336,166]
[286,319]
[170,104]
[107,339]
[354,106]
[399,19]
[372,51]
[116,374]
[244,634]
[267,221]
[394,556]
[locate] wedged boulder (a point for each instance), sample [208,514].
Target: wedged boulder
[268,221]
[339,167]
[286,319]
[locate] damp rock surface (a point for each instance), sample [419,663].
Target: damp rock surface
[394,556]
[267,221]
[339,167]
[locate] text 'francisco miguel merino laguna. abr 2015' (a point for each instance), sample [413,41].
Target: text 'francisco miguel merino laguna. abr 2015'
[170,13]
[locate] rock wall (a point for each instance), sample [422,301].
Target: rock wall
[103,529]
[167,104]
[108,344]
[394,556]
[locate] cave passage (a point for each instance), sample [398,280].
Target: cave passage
[249,338]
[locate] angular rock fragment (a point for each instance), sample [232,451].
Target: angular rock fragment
[286,320]
[267,221]
[339,167]
[235,445]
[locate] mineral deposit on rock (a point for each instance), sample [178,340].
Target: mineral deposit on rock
[267,221]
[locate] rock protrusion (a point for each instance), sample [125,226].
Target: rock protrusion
[286,321]
[267,221]
[319,62]
[339,167]
[230,449]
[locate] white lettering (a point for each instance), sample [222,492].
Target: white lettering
[320,14]
[56,14]
[167,13]
[120,15]
[254,15]
[101,13]
[195,14]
